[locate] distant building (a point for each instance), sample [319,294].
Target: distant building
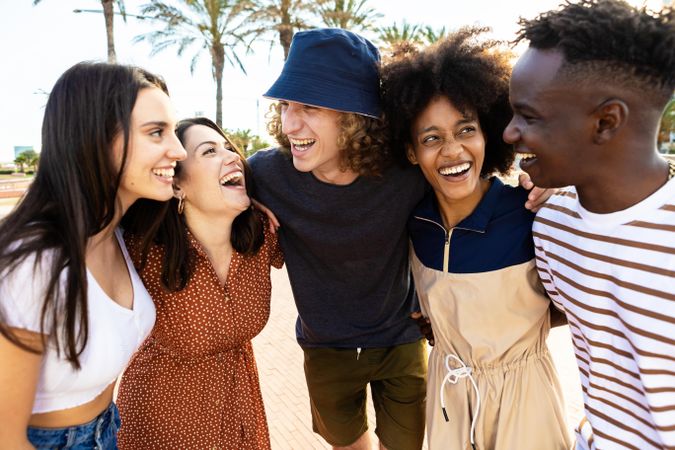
[19,149]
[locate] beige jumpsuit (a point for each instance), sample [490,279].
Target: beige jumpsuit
[494,323]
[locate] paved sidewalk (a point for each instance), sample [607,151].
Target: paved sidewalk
[282,378]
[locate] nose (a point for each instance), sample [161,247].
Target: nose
[230,157]
[176,150]
[451,148]
[290,120]
[511,133]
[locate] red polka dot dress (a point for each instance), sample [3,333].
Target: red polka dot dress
[193,384]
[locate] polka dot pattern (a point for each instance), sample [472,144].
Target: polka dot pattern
[193,384]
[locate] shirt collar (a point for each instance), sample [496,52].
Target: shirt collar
[195,244]
[478,220]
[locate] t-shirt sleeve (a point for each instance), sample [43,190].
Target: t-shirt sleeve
[22,293]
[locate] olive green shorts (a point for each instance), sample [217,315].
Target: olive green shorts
[337,379]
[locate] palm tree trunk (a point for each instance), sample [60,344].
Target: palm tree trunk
[285,29]
[218,65]
[108,14]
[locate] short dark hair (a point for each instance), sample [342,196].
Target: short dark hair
[160,223]
[74,193]
[609,41]
[362,141]
[472,75]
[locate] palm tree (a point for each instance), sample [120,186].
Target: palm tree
[108,15]
[281,18]
[350,14]
[392,35]
[240,138]
[429,35]
[20,161]
[247,142]
[218,26]
[32,159]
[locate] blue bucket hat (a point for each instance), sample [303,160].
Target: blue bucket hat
[331,68]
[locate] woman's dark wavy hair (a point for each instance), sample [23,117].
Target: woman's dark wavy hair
[610,41]
[160,223]
[362,141]
[73,195]
[472,74]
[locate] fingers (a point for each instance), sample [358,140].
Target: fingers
[537,197]
[424,325]
[525,181]
[274,222]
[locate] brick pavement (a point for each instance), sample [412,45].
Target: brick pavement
[282,379]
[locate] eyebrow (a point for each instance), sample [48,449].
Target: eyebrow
[226,143]
[157,123]
[214,143]
[521,106]
[462,121]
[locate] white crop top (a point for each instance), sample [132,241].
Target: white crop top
[115,333]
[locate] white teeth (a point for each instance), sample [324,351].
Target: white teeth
[164,173]
[454,170]
[302,142]
[527,155]
[231,178]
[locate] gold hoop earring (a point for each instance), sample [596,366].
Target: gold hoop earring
[181,205]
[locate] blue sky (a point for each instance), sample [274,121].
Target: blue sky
[38,43]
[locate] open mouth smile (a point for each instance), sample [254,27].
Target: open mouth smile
[455,171]
[232,179]
[302,145]
[526,160]
[165,174]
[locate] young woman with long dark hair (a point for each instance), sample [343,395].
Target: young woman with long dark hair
[72,308]
[205,258]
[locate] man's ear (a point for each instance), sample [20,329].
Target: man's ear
[410,153]
[609,117]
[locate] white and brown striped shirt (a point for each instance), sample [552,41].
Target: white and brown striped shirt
[614,276]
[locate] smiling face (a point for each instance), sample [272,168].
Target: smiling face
[450,148]
[212,177]
[313,135]
[153,149]
[551,122]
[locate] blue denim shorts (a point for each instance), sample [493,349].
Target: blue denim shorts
[99,434]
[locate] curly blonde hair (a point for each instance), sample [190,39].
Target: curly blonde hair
[362,141]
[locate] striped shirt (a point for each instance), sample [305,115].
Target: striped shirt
[614,277]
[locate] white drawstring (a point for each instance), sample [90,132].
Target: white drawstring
[453,376]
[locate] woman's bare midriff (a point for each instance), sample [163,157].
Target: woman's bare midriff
[74,416]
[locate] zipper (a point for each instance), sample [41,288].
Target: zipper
[446,247]
[446,252]
[448,234]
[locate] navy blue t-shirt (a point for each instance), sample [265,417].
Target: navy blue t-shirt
[346,251]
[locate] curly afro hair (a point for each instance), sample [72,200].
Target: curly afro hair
[472,74]
[609,40]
